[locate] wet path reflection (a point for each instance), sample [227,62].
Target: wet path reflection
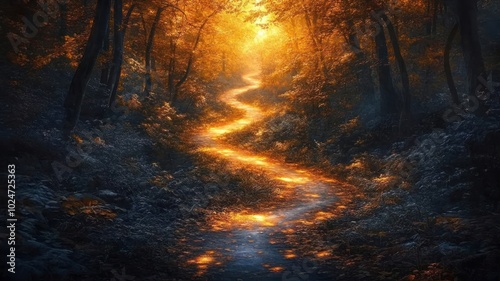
[252,244]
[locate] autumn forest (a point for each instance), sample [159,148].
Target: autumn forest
[250,140]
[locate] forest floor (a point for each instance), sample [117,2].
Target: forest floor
[227,207]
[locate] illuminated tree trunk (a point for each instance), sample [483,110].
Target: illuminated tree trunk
[224,63]
[320,64]
[149,48]
[73,101]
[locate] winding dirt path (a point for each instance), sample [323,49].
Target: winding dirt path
[253,244]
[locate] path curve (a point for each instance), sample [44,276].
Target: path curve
[252,244]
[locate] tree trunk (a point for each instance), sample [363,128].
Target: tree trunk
[434,17]
[432,12]
[318,52]
[364,75]
[388,97]
[405,93]
[171,70]
[105,49]
[73,101]
[467,20]
[113,85]
[191,59]
[145,30]
[224,63]
[149,48]
[118,40]
[191,56]
[428,21]
[447,68]
[63,22]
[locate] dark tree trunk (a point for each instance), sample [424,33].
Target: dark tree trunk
[144,26]
[149,48]
[434,17]
[191,57]
[364,75]
[432,12]
[189,65]
[63,22]
[428,22]
[118,40]
[171,70]
[447,68]
[405,93]
[73,101]
[113,85]
[388,97]
[105,49]
[467,20]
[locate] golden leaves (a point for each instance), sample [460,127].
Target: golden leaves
[87,205]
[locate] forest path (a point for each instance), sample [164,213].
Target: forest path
[257,244]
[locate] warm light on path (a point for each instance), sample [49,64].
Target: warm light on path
[208,139]
[252,113]
[306,195]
